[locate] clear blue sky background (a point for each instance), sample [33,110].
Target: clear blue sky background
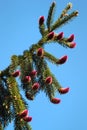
[18,30]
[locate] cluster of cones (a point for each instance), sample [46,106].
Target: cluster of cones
[24,115]
[36,86]
[59,36]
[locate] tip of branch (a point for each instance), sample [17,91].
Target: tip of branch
[69,5]
[54,3]
[76,13]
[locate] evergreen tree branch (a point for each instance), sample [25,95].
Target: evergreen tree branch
[64,12]
[34,73]
[50,57]
[63,21]
[50,16]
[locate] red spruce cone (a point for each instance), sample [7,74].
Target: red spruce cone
[71,38]
[35,86]
[23,113]
[60,36]
[48,80]
[27,79]
[64,90]
[27,118]
[16,73]
[41,20]
[62,60]
[40,52]
[72,45]
[55,100]
[50,35]
[33,73]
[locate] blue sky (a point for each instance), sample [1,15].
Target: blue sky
[19,30]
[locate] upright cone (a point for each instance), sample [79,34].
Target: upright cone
[35,86]
[62,60]
[50,35]
[40,52]
[71,38]
[48,80]
[41,20]
[72,45]
[63,90]
[23,113]
[55,100]
[60,36]
[16,73]
[27,118]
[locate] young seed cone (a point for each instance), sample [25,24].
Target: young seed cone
[72,45]
[71,38]
[60,36]
[50,35]
[40,52]
[27,118]
[62,60]
[33,73]
[35,86]
[27,79]
[41,20]
[23,113]
[48,80]
[55,100]
[16,73]
[64,90]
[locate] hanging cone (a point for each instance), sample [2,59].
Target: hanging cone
[33,73]
[63,90]
[29,96]
[27,118]
[41,20]
[60,36]
[16,73]
[72,45]
[62,60]
[50,35]
[35,86]
[27,79]
[40,52]
[48,80]
[55,100]
[23,113]
[71,38]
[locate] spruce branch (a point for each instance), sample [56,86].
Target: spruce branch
[64,20]
[34,73]
[50,57]
[50,16]
[65,11]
